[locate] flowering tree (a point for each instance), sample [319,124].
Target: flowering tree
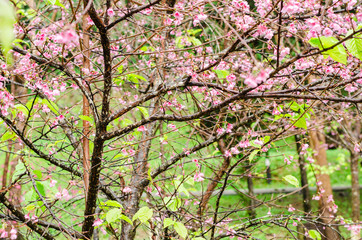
[132,118]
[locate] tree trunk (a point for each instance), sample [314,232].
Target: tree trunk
[251,210]
[303,177]
[86,131]
[326,206]
[355,235]
[212,185]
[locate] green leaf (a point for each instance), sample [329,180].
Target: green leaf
[22,108]
[86,118]
[253,154]
[195,41]
[30,207]
[301,123]
[56,2]
[181,188]
[292,180]
[180,229]
[134,78]
[179,41]
[194,32]
[7,20]
[112,203]
[144,111]
[41,188]
[18,41]
[168,222]
[294,106]
[314,234]
[125,218]
[354,46]
[338,53]
[125,122]
[19,169]
[8,135]
[266,139]
[190,181]
[253,144]
[143,214]
[30,196]
[173,204]
[51,105]
[38,174]
[113,215]
[221,74]
[59,4]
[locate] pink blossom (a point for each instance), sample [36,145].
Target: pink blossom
[13,233]
[52,183]
[286,160]
[198,18]
[269,34]
[327,32]
[350,88]
[227,153]
[103,230]
[235,150]
[131,152]
[231,77]
[244,144]
[172,126]
[147,11]
[276,111]
[199,177]
[58,195]
[4,234]
[305,146]
[220,131]
[68,36]
[141,128]
[250,81]
[357,148]
[97,222]
[317,197]
[60,117]
[310,159]
[291,209]
[110,12]
[127,190]
[258,142]
[34,219]
[229,127]
[178,15]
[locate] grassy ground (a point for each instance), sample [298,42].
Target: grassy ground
[339,173]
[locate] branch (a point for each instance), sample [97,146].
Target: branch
[21,217]
[131,12]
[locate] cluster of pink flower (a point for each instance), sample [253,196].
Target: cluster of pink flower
[5,235]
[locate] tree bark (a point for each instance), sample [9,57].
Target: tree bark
[355,235]
[317,141]
[86,130]
[303,177]
[212,185]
